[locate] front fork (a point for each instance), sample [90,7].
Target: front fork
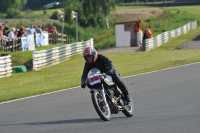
[104,95]
[102,91]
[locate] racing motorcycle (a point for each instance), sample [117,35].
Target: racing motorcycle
[107,97]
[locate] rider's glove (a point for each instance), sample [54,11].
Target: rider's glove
[83,85]
[110,72]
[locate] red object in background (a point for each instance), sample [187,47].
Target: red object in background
[137,28]
[16,33]
[51,30]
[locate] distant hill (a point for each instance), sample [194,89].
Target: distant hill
[38,4]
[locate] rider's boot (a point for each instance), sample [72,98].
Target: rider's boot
[128,98]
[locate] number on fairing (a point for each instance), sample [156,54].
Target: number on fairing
[94,79]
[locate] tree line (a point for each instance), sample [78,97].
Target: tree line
[90,12]
[12,7]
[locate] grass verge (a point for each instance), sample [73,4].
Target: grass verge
[68,73]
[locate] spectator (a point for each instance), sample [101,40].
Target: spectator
[21,32]
[31,30]
[5,30]
[11,34]
[16,32]
[55,30]
[11,38]
[1,32]
[39,30]
[44,9]
[147,34]
[137,28]
[43,28]
[51,30]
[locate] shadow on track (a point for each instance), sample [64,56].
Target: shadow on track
[63,122]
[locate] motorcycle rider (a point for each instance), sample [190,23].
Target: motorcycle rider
[104,64]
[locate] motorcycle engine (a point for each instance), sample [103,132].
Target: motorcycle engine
[112,108]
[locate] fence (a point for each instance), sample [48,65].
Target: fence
[55,38]
[11,45]
[168,35]
[5,66]
[16,44]
[45,58]
[30,20]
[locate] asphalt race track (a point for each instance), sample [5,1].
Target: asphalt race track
[166,101]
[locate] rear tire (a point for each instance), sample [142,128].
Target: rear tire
[129,110]
[103,111]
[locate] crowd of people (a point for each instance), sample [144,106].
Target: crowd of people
[7,33]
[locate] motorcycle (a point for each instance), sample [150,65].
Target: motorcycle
[107,97]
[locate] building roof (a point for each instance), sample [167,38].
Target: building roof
[130,22]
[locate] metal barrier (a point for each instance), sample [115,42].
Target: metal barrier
[168,35]
[5,66]
[45,58]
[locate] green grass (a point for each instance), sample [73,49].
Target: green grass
[38,14]
[67,74]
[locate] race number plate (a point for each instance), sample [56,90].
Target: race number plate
[94,79]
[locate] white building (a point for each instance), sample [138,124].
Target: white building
[126,35]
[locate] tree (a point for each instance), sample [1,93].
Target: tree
[96,7]
[90,12]
[15,4]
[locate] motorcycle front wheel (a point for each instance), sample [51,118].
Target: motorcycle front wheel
[100,107]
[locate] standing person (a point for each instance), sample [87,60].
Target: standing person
[16,32]
[5,30]
[54,28]
[11,34]
[21,32]
[39,29]
[147,34]
[44,9]
[104,64]
[1,31]
[31,30]
[43,28]
[51,30]
[12,39]
[2,37]
[137,28]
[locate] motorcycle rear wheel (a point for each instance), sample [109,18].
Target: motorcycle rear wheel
[103,111]
[129,110]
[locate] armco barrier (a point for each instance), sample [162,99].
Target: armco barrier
[168,35]
[45,58]
[5,66]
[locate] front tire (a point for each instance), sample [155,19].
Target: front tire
[100,107]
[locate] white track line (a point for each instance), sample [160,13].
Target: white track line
[79,86]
